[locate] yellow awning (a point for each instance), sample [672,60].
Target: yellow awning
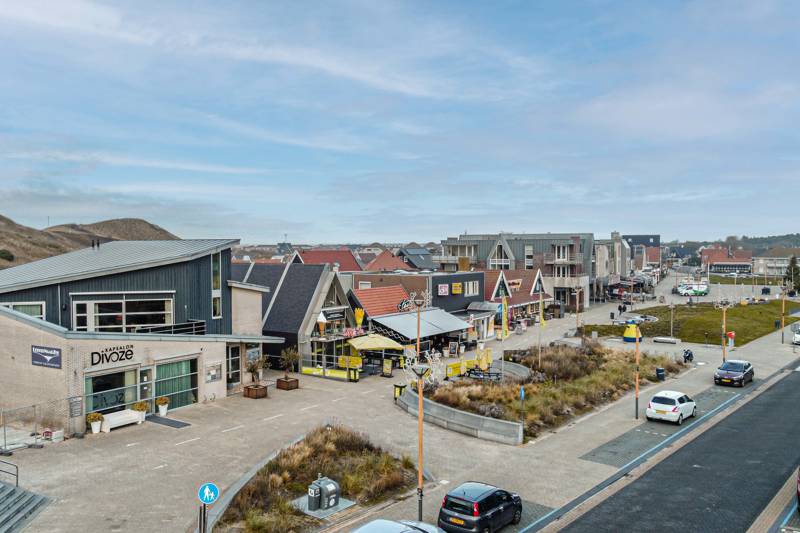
[374,342]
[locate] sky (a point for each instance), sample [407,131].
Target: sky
[364,120]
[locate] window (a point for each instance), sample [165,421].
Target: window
[34,309]
[528,257]
[499,260]
[121,315]
[562,252]
[364,284]
[561,271]
[216,285]
[471,288]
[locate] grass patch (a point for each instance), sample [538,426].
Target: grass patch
[569,382]
[365,472]
[693,322]
[748,281]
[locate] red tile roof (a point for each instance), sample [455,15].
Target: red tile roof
[386,261]
[345,258]
[379,301]
[717,255]
[520,284]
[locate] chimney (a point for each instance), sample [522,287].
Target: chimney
[336,267]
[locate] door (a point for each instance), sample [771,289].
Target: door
[506,510]
[146,387]
[234,376]
[495,513]
[687,406]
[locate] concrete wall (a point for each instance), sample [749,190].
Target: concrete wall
[470,424]
[246,311]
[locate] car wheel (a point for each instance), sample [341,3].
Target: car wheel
[486,530]
[680,419]
[694,412]
[517,517]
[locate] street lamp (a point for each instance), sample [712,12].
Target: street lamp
[636,407]
[724,306]
[419,370]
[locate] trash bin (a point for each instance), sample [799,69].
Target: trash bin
[398,390]
[314,492]
[612,315]
[329,495]
[660,374]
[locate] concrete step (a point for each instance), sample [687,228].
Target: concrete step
[18,507]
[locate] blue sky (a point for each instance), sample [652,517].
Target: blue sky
[397,121]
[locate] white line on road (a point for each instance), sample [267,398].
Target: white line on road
[187,441]
[132,444]
[368,391]
[306,408]
[339,399]
[232,429]
[797,369]
[272,417]
[159,466]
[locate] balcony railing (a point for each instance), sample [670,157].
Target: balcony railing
[192,327]
[570,259]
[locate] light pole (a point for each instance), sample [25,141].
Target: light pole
[783,314]
[419,370]
[638,333]
[671,318]
[724,306]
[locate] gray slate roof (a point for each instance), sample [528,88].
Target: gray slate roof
[109,258]
[418,258]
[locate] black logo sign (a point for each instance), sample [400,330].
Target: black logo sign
[115,354]
[44,356]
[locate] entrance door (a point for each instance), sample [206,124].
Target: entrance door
[146,387]
[234,367]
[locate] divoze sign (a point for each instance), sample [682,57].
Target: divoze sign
[113,354]
[47,357]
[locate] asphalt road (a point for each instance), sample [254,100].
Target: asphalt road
[721,481]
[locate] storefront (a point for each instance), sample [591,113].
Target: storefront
[437,328]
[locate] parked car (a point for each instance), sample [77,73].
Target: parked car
[765,290]
[479,508]
[392,526]
[734,372]
[796,337]
[672,406]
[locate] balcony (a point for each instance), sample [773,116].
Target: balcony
[566,282]
[570,259]
[192,327]
[449,259]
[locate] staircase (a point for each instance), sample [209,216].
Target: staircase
[18,507]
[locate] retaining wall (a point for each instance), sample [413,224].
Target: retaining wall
[478,426]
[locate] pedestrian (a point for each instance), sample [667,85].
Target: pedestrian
[619,308]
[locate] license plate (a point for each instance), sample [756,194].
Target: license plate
[661,412]
[726,381]
[457,521]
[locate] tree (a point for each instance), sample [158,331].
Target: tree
[289,357]
[792,276]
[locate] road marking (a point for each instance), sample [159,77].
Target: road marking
[339,399]
[797,369]
[368,391]
[160,466]
[187,441]
[132,444]
[306,408]
[272,417]
[232,429]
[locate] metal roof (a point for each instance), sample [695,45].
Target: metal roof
[108,258]
[433,321]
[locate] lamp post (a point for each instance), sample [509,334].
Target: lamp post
[724,306]
[419,370]
[671,318]
[638,333]
[783,314]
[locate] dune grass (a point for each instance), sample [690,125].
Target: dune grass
[569,382]
[365,473]
[691,323]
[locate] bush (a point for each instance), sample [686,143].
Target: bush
[5,254]
[94,417]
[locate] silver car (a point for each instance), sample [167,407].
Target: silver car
[393,526]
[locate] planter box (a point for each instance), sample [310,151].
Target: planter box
[255,391]
[288,384]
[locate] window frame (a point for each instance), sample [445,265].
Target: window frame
[42,304]
[169,316]
[216,294]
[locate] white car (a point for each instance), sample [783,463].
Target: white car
[796,337]
[671,406]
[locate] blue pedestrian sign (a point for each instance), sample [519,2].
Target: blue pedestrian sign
[208,493]
[521,392]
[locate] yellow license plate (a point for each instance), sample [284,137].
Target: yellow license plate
[661,412]
[457,521]
[726,381]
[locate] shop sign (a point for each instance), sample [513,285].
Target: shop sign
[115,354]
[349,333]
[47,357]
[76,407]
[213,372]
[403,306]
[333,314]
[514,285]
[458,288]
[444,289]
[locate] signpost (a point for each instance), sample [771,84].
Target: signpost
[208,493]
[522,405]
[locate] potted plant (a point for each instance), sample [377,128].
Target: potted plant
[289,358]
[163,404]
[95,419]
[255,389]
[141,409]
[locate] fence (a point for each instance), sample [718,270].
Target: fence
[35,425]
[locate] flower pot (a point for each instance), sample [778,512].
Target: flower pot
[96,427]
[255,391]
[162,410]
[141,416]
[287,383]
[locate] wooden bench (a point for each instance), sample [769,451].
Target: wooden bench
[119,418]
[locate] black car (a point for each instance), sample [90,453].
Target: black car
[733,372]
[479,508]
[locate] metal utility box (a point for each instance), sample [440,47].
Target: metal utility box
[314,492]
[329,493]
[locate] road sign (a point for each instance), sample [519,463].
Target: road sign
[521,392]
[207,493]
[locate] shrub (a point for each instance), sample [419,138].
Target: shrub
[5,254]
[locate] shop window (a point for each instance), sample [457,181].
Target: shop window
[123,315]
[110,392]
[34,309]
[178,382]
[216,285]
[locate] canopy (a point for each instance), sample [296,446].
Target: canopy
[374,342]
[432,322]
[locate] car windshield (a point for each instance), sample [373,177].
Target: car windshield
[732,367]
[458,506]
[663,400]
